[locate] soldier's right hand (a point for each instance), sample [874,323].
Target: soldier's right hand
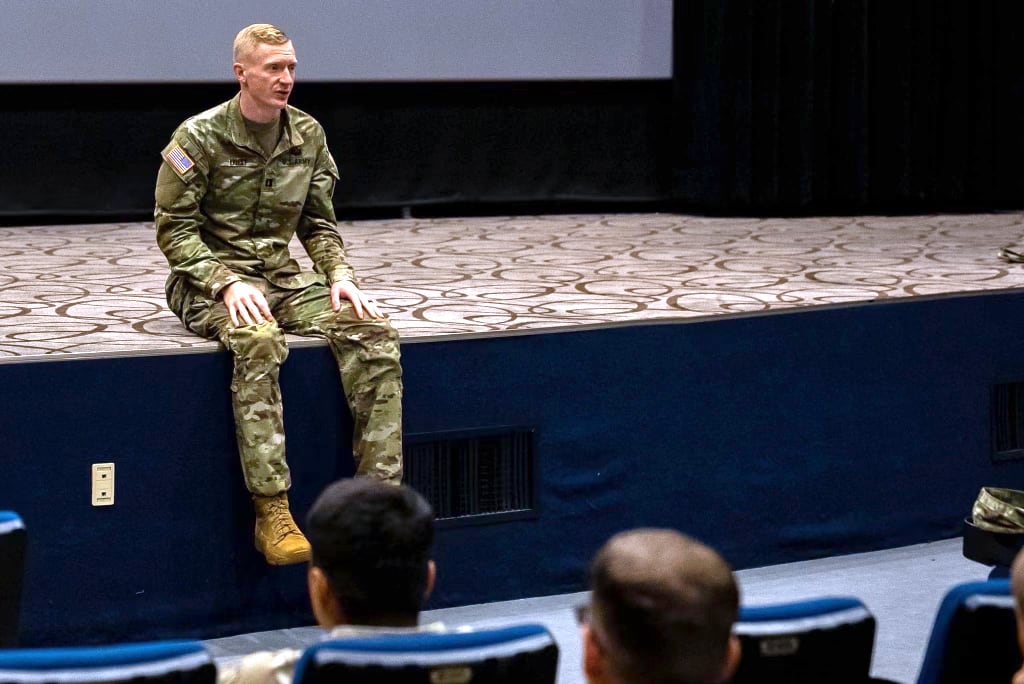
[246,304]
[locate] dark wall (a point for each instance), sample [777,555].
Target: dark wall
[91,151]
[775,438]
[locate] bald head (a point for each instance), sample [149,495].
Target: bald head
[664,604]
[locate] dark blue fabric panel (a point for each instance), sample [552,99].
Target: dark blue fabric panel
[775,438]
[174,555]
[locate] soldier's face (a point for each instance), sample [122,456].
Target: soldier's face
[268,73]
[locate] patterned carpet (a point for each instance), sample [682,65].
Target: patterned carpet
[98,289]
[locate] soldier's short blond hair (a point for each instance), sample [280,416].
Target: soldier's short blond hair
[254,34]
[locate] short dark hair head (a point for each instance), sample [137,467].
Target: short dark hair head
[663,605]
[372,540]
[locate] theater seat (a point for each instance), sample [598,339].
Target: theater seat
[806,642]
[523,654]
[12,570]
[991,548]
[158,662]
[974,638]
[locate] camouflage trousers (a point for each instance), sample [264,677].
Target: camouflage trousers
[367,354]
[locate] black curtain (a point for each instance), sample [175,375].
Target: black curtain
[848,105]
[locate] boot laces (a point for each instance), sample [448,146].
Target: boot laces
[281,519]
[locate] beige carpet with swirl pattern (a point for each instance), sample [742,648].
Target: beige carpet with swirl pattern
[98,289]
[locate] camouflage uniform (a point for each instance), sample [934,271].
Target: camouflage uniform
[225,212]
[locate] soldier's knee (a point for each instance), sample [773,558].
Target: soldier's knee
[386,334]
[380,342]
[372,335]
[258,348]
[381,332]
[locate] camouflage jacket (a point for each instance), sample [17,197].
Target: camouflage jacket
[225,211]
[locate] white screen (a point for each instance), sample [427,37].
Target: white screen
[116,41]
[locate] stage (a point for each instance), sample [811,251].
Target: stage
[97,290]
[784,389]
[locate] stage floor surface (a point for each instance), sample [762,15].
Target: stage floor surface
[97,290]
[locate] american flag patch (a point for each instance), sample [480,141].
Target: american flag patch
[177,158]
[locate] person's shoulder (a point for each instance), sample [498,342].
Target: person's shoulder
[298,116]
[305,123]
[263,667]
[201,125]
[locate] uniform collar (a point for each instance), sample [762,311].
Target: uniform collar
[240,134]
[347,631]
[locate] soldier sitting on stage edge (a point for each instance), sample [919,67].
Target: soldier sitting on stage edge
[236,183]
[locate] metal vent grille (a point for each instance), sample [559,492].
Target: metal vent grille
[1008,421]
[470,477]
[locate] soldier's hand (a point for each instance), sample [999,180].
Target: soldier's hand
[246,304]
[346,289]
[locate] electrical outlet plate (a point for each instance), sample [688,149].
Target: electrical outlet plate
[102,484]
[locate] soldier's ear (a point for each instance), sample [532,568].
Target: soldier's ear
[240,73]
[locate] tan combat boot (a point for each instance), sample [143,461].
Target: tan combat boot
[277,536]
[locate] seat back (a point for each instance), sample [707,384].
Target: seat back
[974,638]
[523,654]
[991,548]
[12,571]
[821,640]
[158,662]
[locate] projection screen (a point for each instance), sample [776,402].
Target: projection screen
[137,41]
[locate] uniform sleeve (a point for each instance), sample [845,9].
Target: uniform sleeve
[318,228]
[180,187]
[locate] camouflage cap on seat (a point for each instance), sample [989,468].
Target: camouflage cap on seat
[999,510]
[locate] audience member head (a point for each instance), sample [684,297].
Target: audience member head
[370,560]
[662,610]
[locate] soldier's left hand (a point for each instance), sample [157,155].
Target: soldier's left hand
[346,289]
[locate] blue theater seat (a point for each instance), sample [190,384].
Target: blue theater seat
[806,642]
[997,549]
[974,638]
[12,570]
[523,654]
[158,662]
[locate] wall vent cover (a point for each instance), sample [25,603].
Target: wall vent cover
[1008,421]
[473,477]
